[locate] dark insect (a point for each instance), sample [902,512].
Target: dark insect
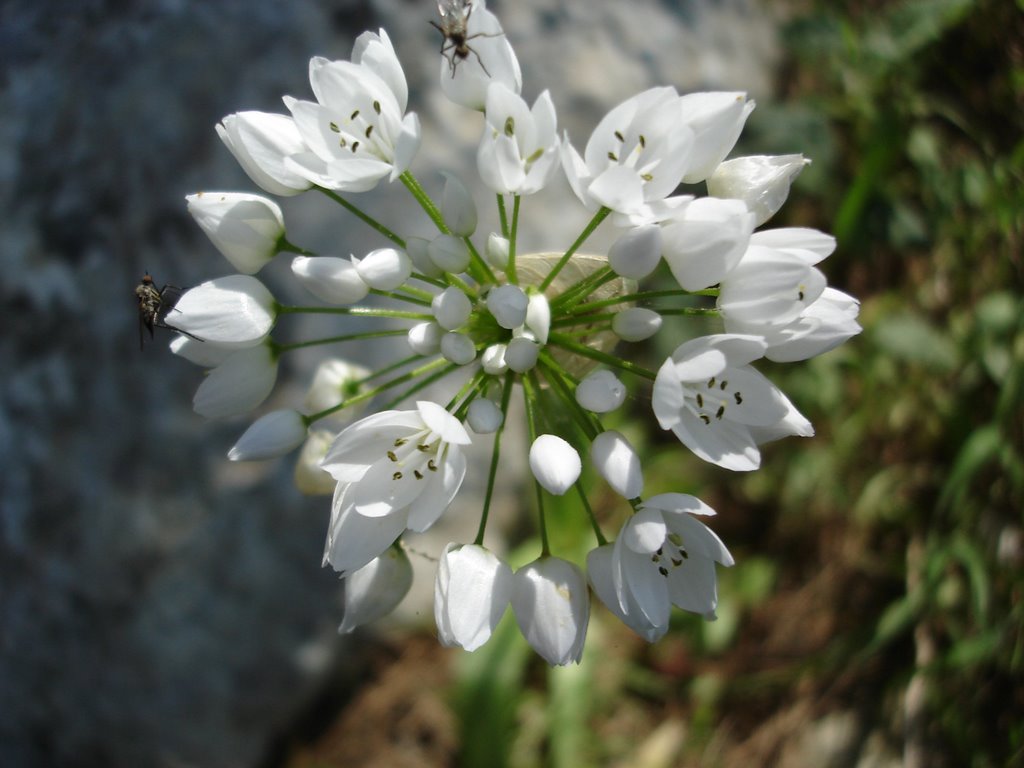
[455,46]
[154,304]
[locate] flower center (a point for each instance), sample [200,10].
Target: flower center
[711,399]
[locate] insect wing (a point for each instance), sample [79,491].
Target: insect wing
[453,14]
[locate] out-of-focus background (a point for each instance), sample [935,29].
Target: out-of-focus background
[162,607]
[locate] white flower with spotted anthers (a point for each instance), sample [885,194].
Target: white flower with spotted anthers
[636,156]
[715,402]
[518,150]
[357,131]
[395,470]
[663,556]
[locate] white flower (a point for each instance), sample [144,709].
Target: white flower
[618,463]
[714,402]
[245,228]
[260,142]
[705,240]
[238,385]
[601,392]
[554,463]
[357,131]
[497,251]
[760,181]
[376,589]
[635,157]
[471,592]
[330,278]
[490,58]
[552,608]
[395,470]
[385,268]
[663,556]
[234,310]
[769,288]
[270,436]
[518,150]
[458,207]
[716,119]
[599,574]
[636,323]
[334,381]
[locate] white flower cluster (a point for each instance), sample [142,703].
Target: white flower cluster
[543,325]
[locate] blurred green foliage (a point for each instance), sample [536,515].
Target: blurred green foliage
[889,551]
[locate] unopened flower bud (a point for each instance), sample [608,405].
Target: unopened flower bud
[496,251]
[385,268]
[538,317]
[425,338]
[417,250]
[458,207]
[245,228]
[601,392]
[452,308]
[493,359]
[521,354]
[760,181]
[637,252]
[554,463]
[551,604]
[508,305]
[270,436]
[376,589]
[458,348]
[449,254]
[484,416]
[617,462]
[330,279]
[636,324]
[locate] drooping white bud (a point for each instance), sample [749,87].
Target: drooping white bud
[551,604]
[521,354]
[452,308]
[458,348]
[760,181]
[617,462]
[376,589]
[458,207]
[601,392]
[330,279]
[235,310]
[270,436]
[496,251]
[508,305]
[484,416]
[493,359]
[238,385]
[471,592]
[538,317]
[636,323]
[425,338]
[637,252]
[245,228]
[449,254]
[554,463]
[385,268]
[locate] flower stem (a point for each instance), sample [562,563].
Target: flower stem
[421,301]
[503,216]
[601,540]
[599,316]
[530,400]
[584,288]
[420,385]
[469,390]
[565,342]
[513,276]
[639,296]
[482,272]
[371,393]
[506,396]
[424,200]
[280,348]
[364,216]
[355,311]
[588,422]
[284,246]
[587,231]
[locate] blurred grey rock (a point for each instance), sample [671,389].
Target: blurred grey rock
[159,606]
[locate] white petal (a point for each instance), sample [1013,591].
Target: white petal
[484,416]
[538,317]
[442,423]
[458,348]
[599,573]
[452,308]
[458,207]
[554,463]
[441,488]
[725,443]
[552,609]
[636,253]
[245,228]
[601,392]
[353,540]
[471,592]
[636,323]
[260,142]
[617,462]
[385,268]
[449,254]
